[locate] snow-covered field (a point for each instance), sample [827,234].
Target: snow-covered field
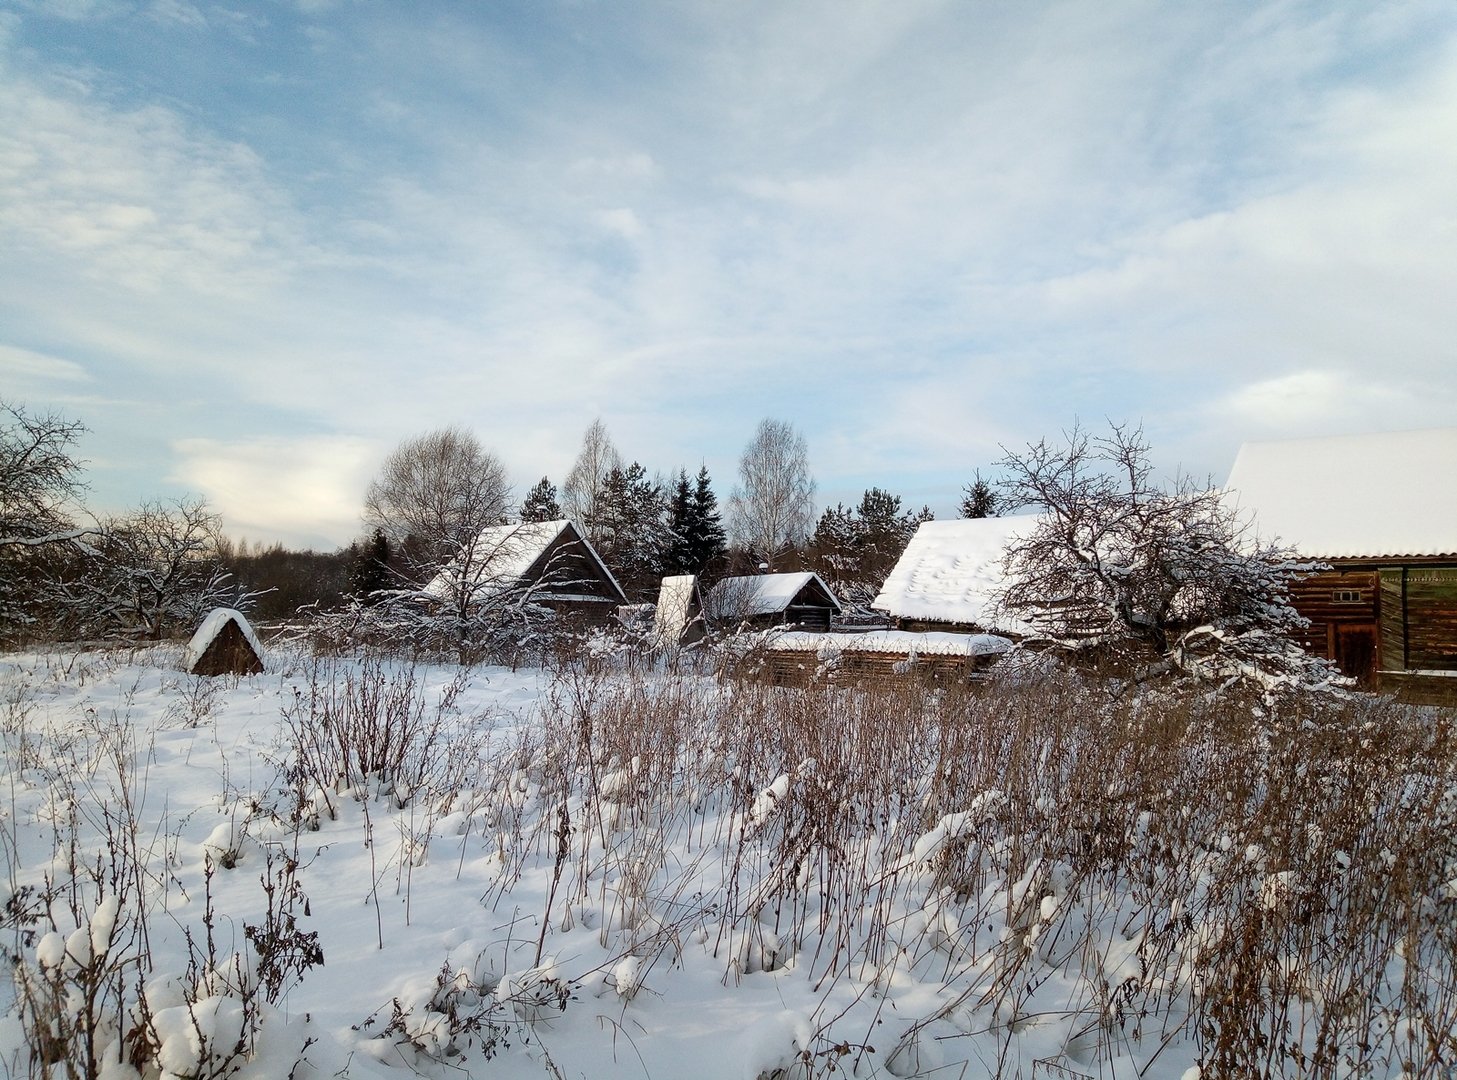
[358,868]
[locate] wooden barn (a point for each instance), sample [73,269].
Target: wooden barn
[765,600]
[1381,510]
[549,564]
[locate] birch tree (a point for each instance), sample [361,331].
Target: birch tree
[771,510]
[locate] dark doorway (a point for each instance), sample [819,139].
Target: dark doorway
[1355,650]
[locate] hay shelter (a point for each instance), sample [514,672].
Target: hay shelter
[224,645]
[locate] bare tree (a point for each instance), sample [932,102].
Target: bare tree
[154,572]
[434,494]
[1166,579]
[39,476]
[39,481]
[771,509]
[585,486]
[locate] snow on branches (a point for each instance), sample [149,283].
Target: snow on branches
[1166,579]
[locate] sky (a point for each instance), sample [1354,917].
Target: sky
[255,246]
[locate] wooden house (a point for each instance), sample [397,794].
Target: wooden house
[1381,510]
[765,600]
[548,564]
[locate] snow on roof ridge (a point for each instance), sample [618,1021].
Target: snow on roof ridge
[211,626]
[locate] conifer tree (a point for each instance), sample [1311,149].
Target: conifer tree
[633,533]
[678,559]
[979,500]
[370,571]
[705,542]
[541,503]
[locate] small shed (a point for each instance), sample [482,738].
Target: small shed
[765,600]
[224,644]
[678,618]
[1381,510]
[545,563]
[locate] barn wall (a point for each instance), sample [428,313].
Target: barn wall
[1419,618]
[1332,598]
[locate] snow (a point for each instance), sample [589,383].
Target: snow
[211,627]
[763,594]
[1353,496]
[951,570]
[895,642]
[451,948]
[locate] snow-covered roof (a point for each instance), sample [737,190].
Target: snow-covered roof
[764,594]
[675,607]
[950,571]
[1353,496]
[502,555]
[211,627]
[897,642]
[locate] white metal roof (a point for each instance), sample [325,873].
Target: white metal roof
[1353,496]
[501,556]
[764,594]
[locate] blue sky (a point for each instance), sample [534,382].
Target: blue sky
[253,247]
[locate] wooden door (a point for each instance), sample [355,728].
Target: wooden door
[1355,650]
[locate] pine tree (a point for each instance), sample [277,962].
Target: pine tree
[541,503]
[855,550]
[633,532]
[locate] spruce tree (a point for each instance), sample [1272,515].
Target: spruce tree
[370,572]
[979,500]
[678,559]
[705,539]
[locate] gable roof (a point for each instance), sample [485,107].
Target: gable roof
[766,594]
[1353,496]
[213,630]
[950,571]
[505,557]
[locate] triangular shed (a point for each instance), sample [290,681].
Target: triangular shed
[224,644]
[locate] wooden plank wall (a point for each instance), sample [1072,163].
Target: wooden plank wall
[793,667]
[1431,618]
[1330,597]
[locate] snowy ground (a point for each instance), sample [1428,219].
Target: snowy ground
[623,876]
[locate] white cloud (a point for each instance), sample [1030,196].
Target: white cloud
[25,365]
[303,490]
[138,198]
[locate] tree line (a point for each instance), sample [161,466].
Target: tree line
[152,572]
[1113,564]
